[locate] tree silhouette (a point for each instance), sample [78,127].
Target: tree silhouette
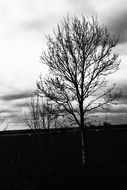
[80,58]
[42,114]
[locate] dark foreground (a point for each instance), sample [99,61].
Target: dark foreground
[103,177]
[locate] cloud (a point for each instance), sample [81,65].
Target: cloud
[16,96]
[114,15]
[120,108]
[36,24]
[23,104]
[43,16]
[80,7]
[7,110]
[14,119]
[123,88]
[118,26]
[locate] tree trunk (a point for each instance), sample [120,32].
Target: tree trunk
[84,138]
[84,145]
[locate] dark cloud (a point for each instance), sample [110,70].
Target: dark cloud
[7,110]
[24,104]
[12,115]
[120,108]
[118,26]
[123,97]
[121,103]
[114,109]
[16,96]
[14,118]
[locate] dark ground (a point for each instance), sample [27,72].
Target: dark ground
[101,177]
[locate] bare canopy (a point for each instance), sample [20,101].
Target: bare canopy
[79,60]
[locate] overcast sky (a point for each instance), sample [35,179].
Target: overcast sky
[23,26]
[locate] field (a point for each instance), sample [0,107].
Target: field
[29,158]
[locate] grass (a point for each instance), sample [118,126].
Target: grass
[101,177]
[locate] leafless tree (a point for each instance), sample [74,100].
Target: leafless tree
[79,57]
[3,121]
[3,124]
[42,114]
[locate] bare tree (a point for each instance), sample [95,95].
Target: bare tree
[3,125]
[42,114]
[3,121]
[80,58]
